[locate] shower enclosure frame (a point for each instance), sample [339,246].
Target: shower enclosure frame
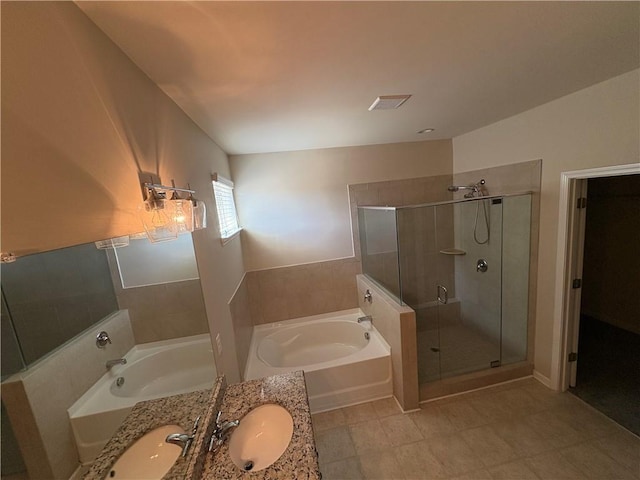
[399,292]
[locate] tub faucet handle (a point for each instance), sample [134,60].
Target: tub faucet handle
[102,339]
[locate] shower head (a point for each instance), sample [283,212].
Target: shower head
[475,188]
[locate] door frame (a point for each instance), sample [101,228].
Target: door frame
[569,235]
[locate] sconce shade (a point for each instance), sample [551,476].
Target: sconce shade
[182,212]
[158,217]
[199,214]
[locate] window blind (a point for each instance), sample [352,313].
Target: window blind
[226,207]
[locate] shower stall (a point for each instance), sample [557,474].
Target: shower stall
[463,266]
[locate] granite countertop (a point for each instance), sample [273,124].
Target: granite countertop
[178,409]
[300,459]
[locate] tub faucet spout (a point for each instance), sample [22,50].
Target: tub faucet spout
[366,318]
[117,361]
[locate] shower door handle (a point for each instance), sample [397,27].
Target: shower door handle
[444,299]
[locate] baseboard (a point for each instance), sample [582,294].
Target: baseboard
[546,381]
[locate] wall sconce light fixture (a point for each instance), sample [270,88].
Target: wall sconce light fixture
[165,213]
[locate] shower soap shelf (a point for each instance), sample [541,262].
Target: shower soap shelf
[453,251]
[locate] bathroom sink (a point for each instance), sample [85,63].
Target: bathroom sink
[261,438]
[150,457]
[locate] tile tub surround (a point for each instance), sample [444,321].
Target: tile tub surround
[300,459]
[397,324]
[145,416]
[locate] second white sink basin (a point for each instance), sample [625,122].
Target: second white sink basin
[261,438]
[150,457]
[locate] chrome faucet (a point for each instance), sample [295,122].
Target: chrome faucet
[366,318]
[117,361]
[184,440]
[221,432]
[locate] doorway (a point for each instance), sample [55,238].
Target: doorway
[600,301]
[607,376]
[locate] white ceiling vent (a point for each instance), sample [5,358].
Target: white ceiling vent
[388,102]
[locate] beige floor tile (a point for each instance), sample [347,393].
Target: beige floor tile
[430,421]
[623,447]
[327,420]
[334,445]
[488,446]
[517,470]
[417,462]
[476,475]
[454,454]
[347,469]
[553,466]
[380,465]
[519,402]
[386,407]
[490,407]
[462,415]
[522,437]
[368,436]
[399,430]
[595,464]
[359,413]
[547,398]
[552,429]
[586,421]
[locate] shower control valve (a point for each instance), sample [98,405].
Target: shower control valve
[368,297]
[482,265]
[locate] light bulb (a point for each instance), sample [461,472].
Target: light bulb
[153,214]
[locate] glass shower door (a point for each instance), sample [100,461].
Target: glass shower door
[469,285]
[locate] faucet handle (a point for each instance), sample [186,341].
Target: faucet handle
[218,418]
[102,339]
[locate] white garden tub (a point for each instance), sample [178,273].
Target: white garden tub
[153,370]
[341,366]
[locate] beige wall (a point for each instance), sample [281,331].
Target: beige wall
[79,121]
[294,206]
[597,126]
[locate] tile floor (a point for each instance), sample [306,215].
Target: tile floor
[519,430]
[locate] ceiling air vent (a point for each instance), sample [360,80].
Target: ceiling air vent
[388,102]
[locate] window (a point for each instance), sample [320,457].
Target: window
[226,207]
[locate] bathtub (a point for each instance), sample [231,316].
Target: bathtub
[341,366]
[153,370]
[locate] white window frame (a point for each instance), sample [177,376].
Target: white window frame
[228,224]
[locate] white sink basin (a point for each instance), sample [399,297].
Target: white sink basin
[261,438]
[150,457]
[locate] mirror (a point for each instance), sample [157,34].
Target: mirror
[50,298]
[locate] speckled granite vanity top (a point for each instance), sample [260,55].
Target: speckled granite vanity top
[300,459]
[145,416]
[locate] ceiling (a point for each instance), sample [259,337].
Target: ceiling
[277,76]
